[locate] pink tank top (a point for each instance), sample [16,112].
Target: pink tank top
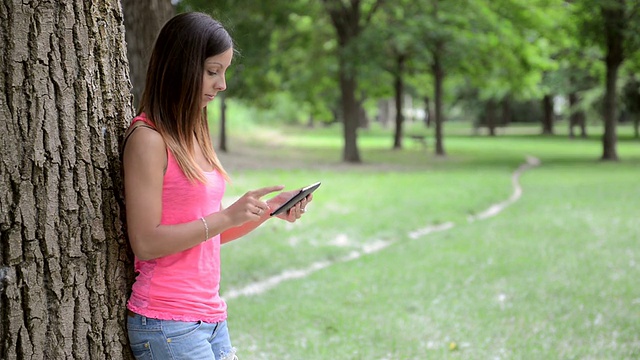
[183,286]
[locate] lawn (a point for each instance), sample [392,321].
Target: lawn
[552,276]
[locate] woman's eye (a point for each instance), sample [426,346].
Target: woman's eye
[212,73]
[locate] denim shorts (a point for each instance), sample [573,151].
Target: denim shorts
[178,340]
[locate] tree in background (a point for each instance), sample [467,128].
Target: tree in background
[613,26]
[437,41]
[509,51]
[631,101]
[349,18]
[529,31]
[252,25]
[390,42]
[65,268]
[418,42]
[143,21]
[496,47]
[632,91]
[304,56]
[579,70]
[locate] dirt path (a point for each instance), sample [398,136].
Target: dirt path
[259,287]
[495,209]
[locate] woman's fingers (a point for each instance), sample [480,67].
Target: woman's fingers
[255,206]
[258,193]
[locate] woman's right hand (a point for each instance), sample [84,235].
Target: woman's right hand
[250,207]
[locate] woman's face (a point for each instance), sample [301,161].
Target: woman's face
[213,78]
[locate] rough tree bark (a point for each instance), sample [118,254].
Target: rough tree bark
[64,262]
[143,21]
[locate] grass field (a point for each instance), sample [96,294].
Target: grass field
[552,276]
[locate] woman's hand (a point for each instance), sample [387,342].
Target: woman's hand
[296,211]
[249,211]
[249,207]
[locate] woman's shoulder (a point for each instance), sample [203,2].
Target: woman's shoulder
[144,142]
[144,128]
[140,120]
[140,133]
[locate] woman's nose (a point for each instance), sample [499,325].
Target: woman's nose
[222,84]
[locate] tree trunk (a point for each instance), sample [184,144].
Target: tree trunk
[490,113]
[438,76]
[346,18]
[610,138]
[428,113]
[437,70]
[398,87]
[143,21]
[310,122]
[223,123]
[363,119]
[384,112]
[547,119]
[614,33]
[573,103]
[349,116]
[65,267]
[505,105]
[577,116]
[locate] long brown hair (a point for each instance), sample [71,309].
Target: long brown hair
[172,97]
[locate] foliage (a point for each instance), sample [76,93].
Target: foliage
[493,50]
[308,66]
[252,25]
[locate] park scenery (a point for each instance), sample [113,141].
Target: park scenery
[519,246]
[479,164]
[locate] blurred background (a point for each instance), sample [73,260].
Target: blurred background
[479,162]
[487,63]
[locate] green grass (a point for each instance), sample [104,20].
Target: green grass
[554,276]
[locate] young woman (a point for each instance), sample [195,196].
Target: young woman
[174,185]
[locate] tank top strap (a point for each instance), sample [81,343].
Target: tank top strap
[135,124]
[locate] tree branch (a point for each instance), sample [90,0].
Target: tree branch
[376,6]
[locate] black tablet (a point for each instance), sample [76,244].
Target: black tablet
[296,198]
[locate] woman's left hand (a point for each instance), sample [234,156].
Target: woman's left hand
[295,212]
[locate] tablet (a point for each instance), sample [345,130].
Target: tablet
[296,198]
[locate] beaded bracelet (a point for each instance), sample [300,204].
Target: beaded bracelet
[206,229]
